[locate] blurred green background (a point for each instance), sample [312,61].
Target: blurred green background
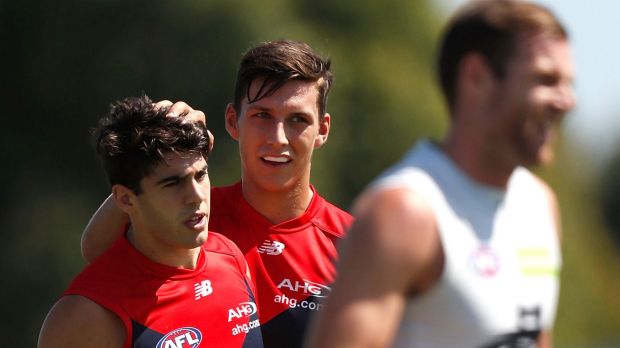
[64,62]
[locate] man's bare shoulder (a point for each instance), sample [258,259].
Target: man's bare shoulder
[76,321]
[402,205]
[401,226]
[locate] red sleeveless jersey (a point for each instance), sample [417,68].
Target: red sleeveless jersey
[291,263]
[165,307]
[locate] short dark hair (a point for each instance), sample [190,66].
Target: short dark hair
[278,62]
[134,137]
[492,28]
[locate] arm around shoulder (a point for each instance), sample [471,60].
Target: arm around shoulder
[390,254]
[76,321]
[104,227]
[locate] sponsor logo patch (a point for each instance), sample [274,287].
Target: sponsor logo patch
[305,287]
[243,310]
[537,262]
[245,328]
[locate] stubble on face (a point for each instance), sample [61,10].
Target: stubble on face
[533,99]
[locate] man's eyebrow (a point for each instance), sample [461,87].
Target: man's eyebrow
[204,169]
[255,107]
[168,178]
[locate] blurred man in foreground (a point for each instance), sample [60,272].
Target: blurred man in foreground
[458,244]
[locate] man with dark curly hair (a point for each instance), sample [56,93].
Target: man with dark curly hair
[167,281]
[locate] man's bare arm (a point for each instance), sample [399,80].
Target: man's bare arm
[76,321]
[391,252]
[104,227]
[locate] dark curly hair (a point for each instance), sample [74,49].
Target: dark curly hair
[134,137]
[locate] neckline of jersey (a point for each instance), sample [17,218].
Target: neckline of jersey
[289,226]
[159,270]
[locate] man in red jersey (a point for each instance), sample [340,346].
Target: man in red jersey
[287,232]
[167,282]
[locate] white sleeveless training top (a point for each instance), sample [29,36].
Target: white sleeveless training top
[499,285]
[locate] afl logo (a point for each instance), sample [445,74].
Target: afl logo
[184,337]
[485,261]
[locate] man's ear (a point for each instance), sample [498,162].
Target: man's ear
[124,197]
[231,121]
[324,124]
[476,78]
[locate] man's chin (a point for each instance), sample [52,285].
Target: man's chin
[198,240]
[275,185]
[202,238]
[545,156]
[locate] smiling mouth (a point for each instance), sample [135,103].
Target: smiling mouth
[546,130]
[276,159]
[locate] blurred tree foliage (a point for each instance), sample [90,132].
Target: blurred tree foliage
[66,60]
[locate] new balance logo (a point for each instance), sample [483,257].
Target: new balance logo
[271,247]
[202,289]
